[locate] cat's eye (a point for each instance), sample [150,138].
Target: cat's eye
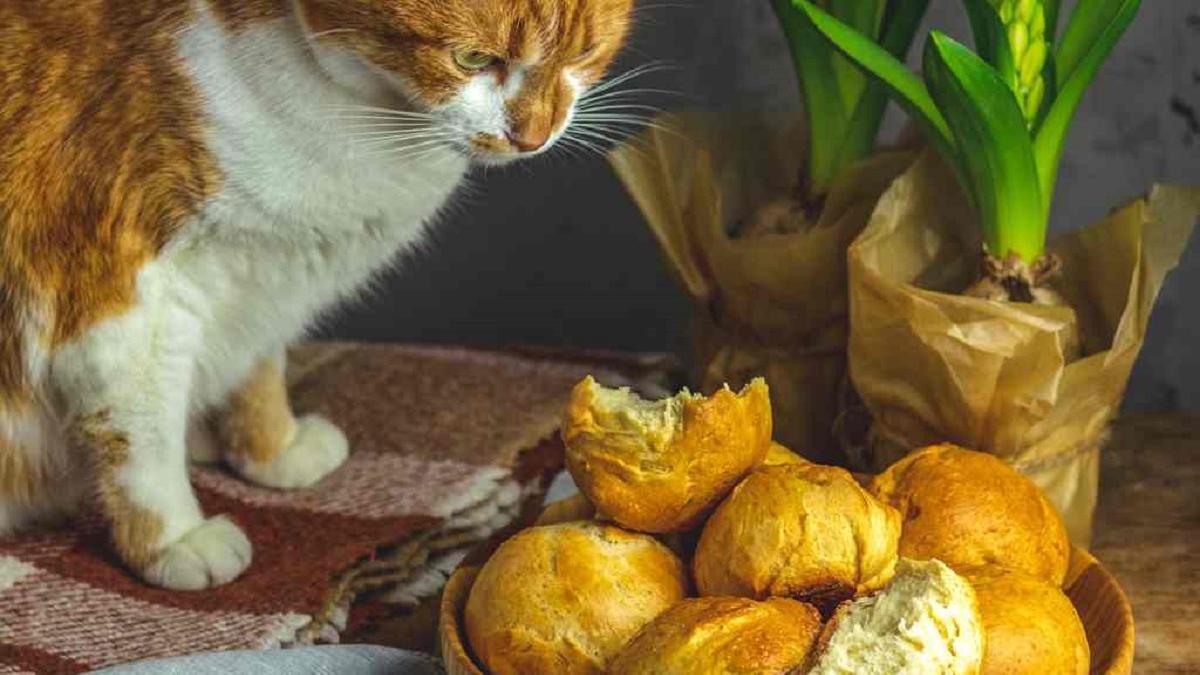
[473,59]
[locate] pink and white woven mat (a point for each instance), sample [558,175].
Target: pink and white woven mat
[447,444]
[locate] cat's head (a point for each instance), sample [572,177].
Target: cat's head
[497,79]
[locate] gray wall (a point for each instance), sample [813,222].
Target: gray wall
[553,253]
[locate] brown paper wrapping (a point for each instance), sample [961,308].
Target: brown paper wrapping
[771,305]
[931,365]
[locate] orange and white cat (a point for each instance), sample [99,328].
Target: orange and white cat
[186,184]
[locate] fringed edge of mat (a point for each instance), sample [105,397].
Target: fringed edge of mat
[404,575]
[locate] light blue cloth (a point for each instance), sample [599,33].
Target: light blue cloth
[331,660]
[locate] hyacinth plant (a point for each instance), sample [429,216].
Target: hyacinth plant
[844,107]
[999,115]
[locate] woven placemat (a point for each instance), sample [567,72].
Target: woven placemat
[448,445]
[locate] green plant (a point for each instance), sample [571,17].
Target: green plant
[844,107]
[999,116]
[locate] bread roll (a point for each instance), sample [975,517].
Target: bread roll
[565,598]
[969,509]
[661,466]
[565,510]
[804,531]
[714,636]
[1031,626]
[926,621]
[779,454]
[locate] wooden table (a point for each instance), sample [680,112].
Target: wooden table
[1147,534]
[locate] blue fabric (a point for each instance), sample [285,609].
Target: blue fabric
[332,660]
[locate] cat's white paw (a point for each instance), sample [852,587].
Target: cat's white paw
[317,449]
[211,554]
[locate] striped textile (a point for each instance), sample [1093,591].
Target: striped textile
[448,445]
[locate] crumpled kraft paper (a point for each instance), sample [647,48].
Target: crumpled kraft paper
[772,305]
[932,366]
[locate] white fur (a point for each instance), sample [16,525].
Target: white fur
[314,449]
[303,218]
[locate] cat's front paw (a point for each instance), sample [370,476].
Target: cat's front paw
[211,554]
[315,451]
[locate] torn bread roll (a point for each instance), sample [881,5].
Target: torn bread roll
[565,598]
[804,531]
[715,636]
[926,621]
[661,466]
[969,509]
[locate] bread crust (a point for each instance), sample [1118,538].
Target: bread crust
[565,510]
[714,636]
[969,509]
[565,598]
[778,453]
[663,467]
[1031,626]
[804,531]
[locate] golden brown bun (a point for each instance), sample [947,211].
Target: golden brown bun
[565,598]
[660,466]
[713,636]
[565,510]
[926,621]
[1031,626]
[778,454]
[799,530]
[969,509]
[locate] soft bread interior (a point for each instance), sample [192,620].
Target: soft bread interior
[623,410]
[925,621]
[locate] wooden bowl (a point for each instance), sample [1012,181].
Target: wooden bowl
[1107,617]
[1105,612]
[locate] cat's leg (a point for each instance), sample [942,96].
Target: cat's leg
[125,386]
[267,444]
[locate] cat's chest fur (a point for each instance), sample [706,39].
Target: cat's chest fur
[304,216]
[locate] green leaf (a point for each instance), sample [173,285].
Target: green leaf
[900,25]
[863,125]
[1051,7]
[866,17]
[1052,135]
[1083,32]
[905,87]
[1050,77]
[991,39]
[899,28]
[823,106]
[995,149]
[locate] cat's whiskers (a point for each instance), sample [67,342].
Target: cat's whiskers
[307,38]
[381,118]
[635,72]
[651,109]
[381,145]
[622,95]
[399,134]
[387,112]
[402,135]
[407,152]
[636,121]
[611,115]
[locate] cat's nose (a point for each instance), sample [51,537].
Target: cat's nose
[528,140]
